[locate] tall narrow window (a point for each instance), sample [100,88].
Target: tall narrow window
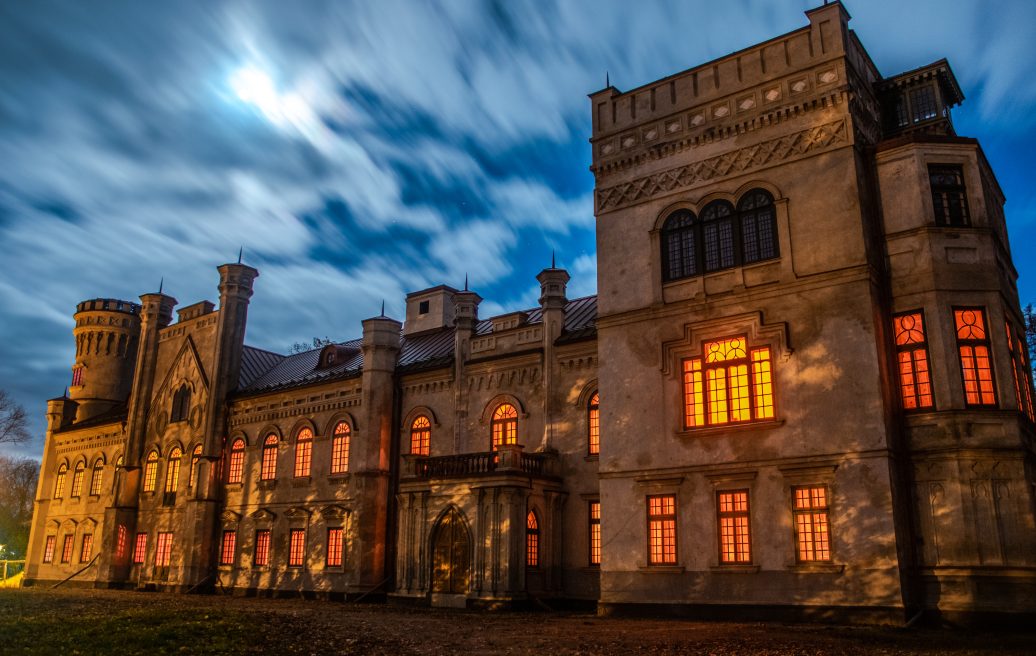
[912,355]
[1020,371]
[734,543]
[77,376]
[261,557]
[181,409]
[97,478]
[811,524]
[421,436]
[140,549]
[593,423]
[236,465]
[268,471]
[334,546]
[735,384]
[59,481]
[48,549]
[717,220]
[662,530]
[758,226]
[975,363]
[505,425]
[340,448]
[296,547]
[121,538]
[679,246]
[163,549]
[949,195]
[151,471]
[66,548]
[532,540]
[119,463]
[303,453]
[86,548]
[192,476]
[172,470]
[595,533]
[228,548]
[77,479]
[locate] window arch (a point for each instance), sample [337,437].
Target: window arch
[59,481]
[303,452]
[97,477]
[172,470]
[593,424]
[236,465]
[150,471]
[504,425]
[268,466]
[679,246]
[421,436]
[340,448]
[195,458]
[718,243]
[758,223]
[181,409]
[77,479]
[532,540]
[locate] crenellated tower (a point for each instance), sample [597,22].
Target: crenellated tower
[106,333]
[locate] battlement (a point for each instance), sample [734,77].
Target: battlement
[108,305]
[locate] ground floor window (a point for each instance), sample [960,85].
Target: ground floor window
[66,548]
[261,557]
[334,547]
[595,533]
[812,536]
[532,540]
[163,549]
[662,530]
[229,545]
[734,539]
[140,549]
[86,548]
[48,550]
[296,547]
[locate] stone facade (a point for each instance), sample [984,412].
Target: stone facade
[813,400]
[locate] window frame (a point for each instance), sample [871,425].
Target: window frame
[261,548]
[59,481]
[303,467]
[811,511]
[49,546]
[754,382]
[236,461]
[228,548]
[421,436]
[341,437]
[911,348]
[532,540]
[139,555]
[972,343]
[297,560]
[734,514]
[68,546]
[945,218]
[86,544]
[335,554]
[172,471]
[151,471]
[97,478]
[163,548]
[268,457]
[503,422]
[593,425]
[196,453]
[662,518]
[594,532]
[78,474]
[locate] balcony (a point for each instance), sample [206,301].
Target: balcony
[508,459]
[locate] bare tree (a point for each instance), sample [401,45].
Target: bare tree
[302,347]
[17,491]
[13,424]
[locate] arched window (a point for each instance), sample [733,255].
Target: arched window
[340,448]
[96,478]
[679,246]
[593,424]
[172,470]
[151,471]
[119,462]
[236,465]
[532,540]
[504,425]
[195,457]
[303,452]
[758,226]
[181,404]
[717,220]
[268,470]
[59,481]
[77,479]
[421,436]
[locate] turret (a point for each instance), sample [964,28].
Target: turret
[553,299]
[106,334]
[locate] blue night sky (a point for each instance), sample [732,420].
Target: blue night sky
[362,150]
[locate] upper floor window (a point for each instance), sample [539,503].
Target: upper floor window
[504,425]
[421,436]
[172,470]
[192,476]
[949,195]
[268,468]
[303,452]
[340,448]
[922,103]
[1020,371]
[734,384]
[59,481]
[181,404]
[593,424]
[151,471]
[532,540]
[77,376]
[77,479]
[912,355]
[721,237]
[97,478]
[236,464]
[975,363]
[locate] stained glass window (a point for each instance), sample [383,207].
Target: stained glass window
[975,363]
[812,534]
[734,544]
[505,425]
[662,530]
[421,436]
[340,449]
[912,355]
[303,452]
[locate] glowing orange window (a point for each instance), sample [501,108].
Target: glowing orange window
[532,540]
[172,471]
[195,459]
[48,550]
[66,548]
[77,479]
[296,547]
[59,481]
[235,469]
[593,422]
[86,548]
[97,478]
[1020,372]
[595,533]
[734,384]
[303,453]
[912,355]
[151,471]
[734,542]
[227,548]
[421,436]
[163,549]
[975,363]
[334,546]
[140,548]
[812,534]
[121,537]
[505,425]
[261,557]
[268,467]
[662,530]
[340,448]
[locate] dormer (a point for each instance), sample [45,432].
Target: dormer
[429,309]
[920,100]
[333,355]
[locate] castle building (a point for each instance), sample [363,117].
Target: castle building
[801,390]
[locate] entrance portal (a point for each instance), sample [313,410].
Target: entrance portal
[451,562]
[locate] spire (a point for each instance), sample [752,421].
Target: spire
[161,283]
[552,259]
[240,252]
[607,80]
[465,282]
[65,395]
[382,307]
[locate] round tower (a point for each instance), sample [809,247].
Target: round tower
[106,335]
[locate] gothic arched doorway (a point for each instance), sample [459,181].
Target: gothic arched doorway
[451,562]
